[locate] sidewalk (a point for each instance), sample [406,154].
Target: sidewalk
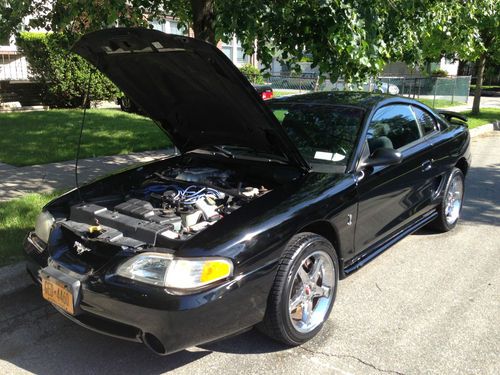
[14,182]
[486,102]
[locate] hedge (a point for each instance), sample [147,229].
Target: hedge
[253,74]
[63,74]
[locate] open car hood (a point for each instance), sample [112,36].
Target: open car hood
[190,88]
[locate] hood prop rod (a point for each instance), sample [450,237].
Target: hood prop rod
[86,99]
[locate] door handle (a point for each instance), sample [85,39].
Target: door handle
[426,166]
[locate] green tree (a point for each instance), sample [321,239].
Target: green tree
[11,15]
[486,24]
[342,36]
[348,38]
[466,30]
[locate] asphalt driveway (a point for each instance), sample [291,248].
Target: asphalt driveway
[431,304]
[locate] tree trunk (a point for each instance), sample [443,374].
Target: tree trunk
[479,83]
[203,20]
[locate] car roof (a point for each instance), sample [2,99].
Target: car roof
[362,99]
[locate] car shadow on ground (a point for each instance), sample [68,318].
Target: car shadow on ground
[40,340]
[482,198]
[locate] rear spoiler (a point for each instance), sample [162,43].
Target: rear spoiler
[449,115]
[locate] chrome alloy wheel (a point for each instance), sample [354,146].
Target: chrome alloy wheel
[311,293]
[454,198]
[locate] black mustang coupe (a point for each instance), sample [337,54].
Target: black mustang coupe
[253,223]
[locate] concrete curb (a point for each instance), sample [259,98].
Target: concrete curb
[484,129]
[32,108]
[14,277]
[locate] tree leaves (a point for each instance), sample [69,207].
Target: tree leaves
[352,39]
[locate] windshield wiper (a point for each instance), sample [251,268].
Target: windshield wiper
[216,150]
[250,153]
[243,153]
[223,151]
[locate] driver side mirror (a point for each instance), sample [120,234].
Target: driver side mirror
[383,156]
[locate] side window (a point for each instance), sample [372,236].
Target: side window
[393,126]
[425,120]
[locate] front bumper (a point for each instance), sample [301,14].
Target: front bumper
[165,322]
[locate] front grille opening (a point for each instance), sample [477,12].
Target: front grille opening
[67,249]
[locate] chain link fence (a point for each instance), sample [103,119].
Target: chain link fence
[434,91]
[287,84]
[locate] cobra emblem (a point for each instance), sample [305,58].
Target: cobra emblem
[80,249]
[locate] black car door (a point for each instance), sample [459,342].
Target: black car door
[445,147]
[391,196]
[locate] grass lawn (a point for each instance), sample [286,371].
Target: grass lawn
[487,87]
[486,116]
[17,217]
[277,93]
[29,138]
[440,103]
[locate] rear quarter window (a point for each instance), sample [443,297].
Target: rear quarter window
[426,120]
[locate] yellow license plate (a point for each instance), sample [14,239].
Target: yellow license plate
[58,294]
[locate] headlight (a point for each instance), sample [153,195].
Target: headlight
[43,226]
[177,273]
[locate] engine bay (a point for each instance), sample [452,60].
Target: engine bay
[176,204]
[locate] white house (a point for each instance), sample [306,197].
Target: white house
[13,65]
[400,69]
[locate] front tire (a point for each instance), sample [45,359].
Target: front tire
[451,205]
[304,290]
[126,105]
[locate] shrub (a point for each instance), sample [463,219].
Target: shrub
[253,74]
[439,73]
[64,75]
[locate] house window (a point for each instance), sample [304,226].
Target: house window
[240,55]
[175,29]
[228,51]
[157,25]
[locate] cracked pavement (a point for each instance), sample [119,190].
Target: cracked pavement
[430,304]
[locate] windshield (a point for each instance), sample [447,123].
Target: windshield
[324,134]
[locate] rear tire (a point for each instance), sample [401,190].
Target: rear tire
[451,204]
[304,290]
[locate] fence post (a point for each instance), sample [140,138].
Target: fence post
[468,89]
[454,88]
[435,91]
[316,84]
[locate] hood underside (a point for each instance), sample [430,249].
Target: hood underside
[190,88]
